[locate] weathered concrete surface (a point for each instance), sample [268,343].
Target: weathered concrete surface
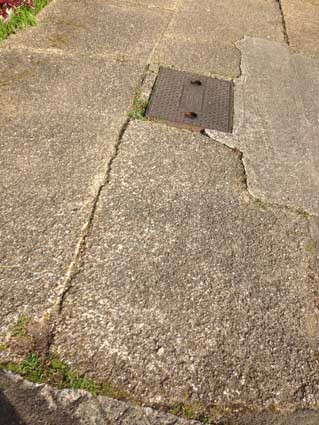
[60,119]
[303,417]
[108,28]
[190,290]
[202,35]
[277,124]
[24,403]
[302,23]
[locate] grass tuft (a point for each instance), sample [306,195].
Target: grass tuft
[30,368]
[258,203]
[55,372]
[23,17]
[3,347]
[19,328]
[138,109]
[310,247]
[185,410]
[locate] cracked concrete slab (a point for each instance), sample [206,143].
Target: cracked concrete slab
[189,290]
[276,124]
[60,120]
[302,23]
[109,28]
[25,403]
[201,37]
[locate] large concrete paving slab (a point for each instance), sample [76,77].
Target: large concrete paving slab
[189,290]
[60,120]
[202,35]
[108,28]
[302,23]
[276,124]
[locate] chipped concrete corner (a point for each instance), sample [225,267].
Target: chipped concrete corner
[23,402]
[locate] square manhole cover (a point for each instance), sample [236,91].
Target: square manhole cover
[191,101]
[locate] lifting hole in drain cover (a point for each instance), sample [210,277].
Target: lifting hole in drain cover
[191,101]
[191,115]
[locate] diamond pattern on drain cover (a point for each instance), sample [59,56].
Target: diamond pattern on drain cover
[191,101]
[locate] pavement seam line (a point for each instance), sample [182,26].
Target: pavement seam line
[140,4]
[112,57]
[160,38]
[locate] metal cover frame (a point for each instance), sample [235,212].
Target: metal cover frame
[191,101]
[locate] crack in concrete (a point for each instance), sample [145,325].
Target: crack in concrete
[80,246]
[55,310]
[283,20]
[237,140]
[269,204]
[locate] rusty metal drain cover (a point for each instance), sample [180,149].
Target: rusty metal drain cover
[191,101]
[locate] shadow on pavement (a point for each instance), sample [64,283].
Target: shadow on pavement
[8,415]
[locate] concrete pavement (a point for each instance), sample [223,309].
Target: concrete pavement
[175,267]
